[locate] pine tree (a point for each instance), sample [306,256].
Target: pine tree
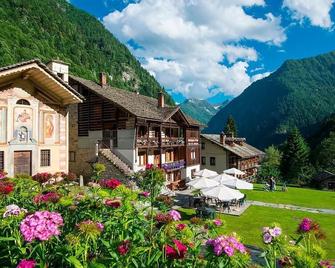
[325,154]
[230,127]
[295,165]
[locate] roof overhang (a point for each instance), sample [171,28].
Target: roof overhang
[46,84]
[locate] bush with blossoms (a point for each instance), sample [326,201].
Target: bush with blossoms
[111,225]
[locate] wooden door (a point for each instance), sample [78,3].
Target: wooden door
[22,162]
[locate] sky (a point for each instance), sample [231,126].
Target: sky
[214,49]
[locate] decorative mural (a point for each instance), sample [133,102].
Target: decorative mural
[49,125]
[23,123]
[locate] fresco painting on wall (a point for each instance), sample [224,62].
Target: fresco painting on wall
[23,123]
[49,126]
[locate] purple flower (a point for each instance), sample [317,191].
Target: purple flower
[267,238]
[41,225]
[175,215]
[305,225]
[275,232]
[26,264]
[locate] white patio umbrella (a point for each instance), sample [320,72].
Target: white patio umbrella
[222,193]
[202,182]
[232,182]
[205,173]
[234,171]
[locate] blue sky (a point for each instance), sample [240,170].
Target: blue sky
[215,49]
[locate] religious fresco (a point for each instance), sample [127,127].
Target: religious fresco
[23,123]
[49,126]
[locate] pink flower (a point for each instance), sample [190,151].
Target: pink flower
[226,245]
[149,166]
[114,203]
[13,210]
[217,222]
[50,197]
[26,264]
[175,215]
[145,194]
[41,225]
[180,226]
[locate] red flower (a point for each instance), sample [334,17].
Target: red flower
[181,226]
[123,248]
[177,251]
[113,203]
[149,166]
[50,197]
[6,187]
[110,183]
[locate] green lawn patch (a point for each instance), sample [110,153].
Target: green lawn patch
[249,225]
[294,196]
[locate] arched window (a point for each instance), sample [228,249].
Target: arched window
[23,102]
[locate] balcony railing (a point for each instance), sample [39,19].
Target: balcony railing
[173,141]
[173,165]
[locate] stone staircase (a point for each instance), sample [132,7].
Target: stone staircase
[116,161]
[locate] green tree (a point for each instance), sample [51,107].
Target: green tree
[325,154]
[230,127]
[295,164]
[270,166]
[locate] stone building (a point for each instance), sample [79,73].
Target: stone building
[130,131]
[220,152]
[34,99]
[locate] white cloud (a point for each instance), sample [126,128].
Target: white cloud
[317,11]
[259,76]
[183,41]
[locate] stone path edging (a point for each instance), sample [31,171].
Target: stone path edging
[292,207]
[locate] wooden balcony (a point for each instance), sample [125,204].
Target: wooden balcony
[173,141]
[145,141]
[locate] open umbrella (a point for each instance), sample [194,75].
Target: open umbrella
[234,171]
[205,173]
[232,182]
[222,193]
[202,182]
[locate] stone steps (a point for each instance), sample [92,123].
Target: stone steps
[116,161]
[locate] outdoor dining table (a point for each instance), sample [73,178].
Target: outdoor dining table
[205,212]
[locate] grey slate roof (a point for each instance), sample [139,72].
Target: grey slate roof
[243,151]
[136,104]
[45,68]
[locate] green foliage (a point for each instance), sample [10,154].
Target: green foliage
[152,180]
[230,127]
[52,29]
[200,110]
[300,93]
[270,166]
[324,155]
[295,165]
[98,170]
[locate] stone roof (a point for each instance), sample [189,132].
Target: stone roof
[243,151]
[324,175]
[136,104]
[46,69]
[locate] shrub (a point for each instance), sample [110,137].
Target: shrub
[42,177]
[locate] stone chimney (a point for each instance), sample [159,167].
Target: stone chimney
[161,102]
[103,79]
[60,68]
[222,138]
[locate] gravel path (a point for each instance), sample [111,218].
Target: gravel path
[292,207]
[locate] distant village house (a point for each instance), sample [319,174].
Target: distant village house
[220,152]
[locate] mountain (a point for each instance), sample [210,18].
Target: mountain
[200,110]
[52,29]
[300,93]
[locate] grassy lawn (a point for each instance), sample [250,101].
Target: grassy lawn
[294,196]
[250,223]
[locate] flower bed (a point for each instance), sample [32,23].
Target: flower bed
[110,225]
